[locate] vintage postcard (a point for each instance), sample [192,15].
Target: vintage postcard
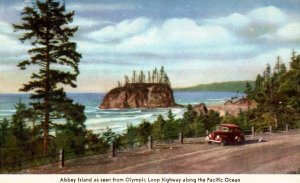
[204,88]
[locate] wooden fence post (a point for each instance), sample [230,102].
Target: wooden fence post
[150,142]
[61,158]
[113,147]
[270,129]
[286,127]
[206,132]
[181,138]
[252,131]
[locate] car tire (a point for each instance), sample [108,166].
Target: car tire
[223,143]
[241,140]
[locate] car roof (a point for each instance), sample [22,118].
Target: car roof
[230,125]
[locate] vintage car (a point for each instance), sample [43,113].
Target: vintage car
[226,134]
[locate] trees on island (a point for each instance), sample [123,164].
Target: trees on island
[152,77]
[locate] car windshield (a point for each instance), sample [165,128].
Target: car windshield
[224,129]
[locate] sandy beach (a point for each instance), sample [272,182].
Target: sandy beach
[233,107]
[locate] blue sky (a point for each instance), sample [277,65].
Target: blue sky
[199,41]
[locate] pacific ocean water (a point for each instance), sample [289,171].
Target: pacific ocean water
[98,119]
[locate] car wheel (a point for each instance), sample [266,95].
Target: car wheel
[223,143]
[241,140]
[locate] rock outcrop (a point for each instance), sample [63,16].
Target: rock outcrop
[234,106]
[200,109]
[244,102]
[139,95]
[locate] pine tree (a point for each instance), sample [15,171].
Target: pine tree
[45,25]
[3,131]
[155,75]
[161,75]
[248,89]
[166,80]
[119,84]
[134,79]
[126,79]
[141,77]
[149,77]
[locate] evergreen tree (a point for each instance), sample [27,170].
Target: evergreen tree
[188,121]
[126,79]
[131,135]
[3,131]
[158,127]
[166,80]
[19,126]
[170,128]
[108,136]
[144,130]
[134,79]
[248,89]
[119,84]
[149,77]
[161,75]
[45,25]
[142,77]
[155,75]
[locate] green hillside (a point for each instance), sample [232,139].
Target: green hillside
[231,86]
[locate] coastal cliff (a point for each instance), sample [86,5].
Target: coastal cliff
[139,95]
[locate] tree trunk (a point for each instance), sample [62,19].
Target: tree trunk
[47,96]
[47,112]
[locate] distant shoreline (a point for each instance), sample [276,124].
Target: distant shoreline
[229,86]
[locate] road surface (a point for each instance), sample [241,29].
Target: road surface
[277,153]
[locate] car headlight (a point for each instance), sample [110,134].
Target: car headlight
[218,137]
[209,135]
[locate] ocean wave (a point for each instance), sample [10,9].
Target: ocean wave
[116,119]
[217,99]
[120,111]
[5,115]
[113,127]
[8,110]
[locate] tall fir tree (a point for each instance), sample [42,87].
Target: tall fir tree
[161,75]
[149,77]
[45,26]
[134,79]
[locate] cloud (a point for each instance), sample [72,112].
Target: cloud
[6,28]
[85,22]
[235,20]
[122,30]
[171,36]
[10,46]
[290,32]
[268,15]
[80,7]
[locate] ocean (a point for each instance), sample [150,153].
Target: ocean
[99,119]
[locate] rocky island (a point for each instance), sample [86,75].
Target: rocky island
[141,92]
[139,95]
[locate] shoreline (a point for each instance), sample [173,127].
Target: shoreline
[232,109]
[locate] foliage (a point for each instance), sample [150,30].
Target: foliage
[144,131]
[108,136]
[232,86]
[156,77]
[45,26]
[277,95]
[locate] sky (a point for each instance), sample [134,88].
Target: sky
[197,41]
